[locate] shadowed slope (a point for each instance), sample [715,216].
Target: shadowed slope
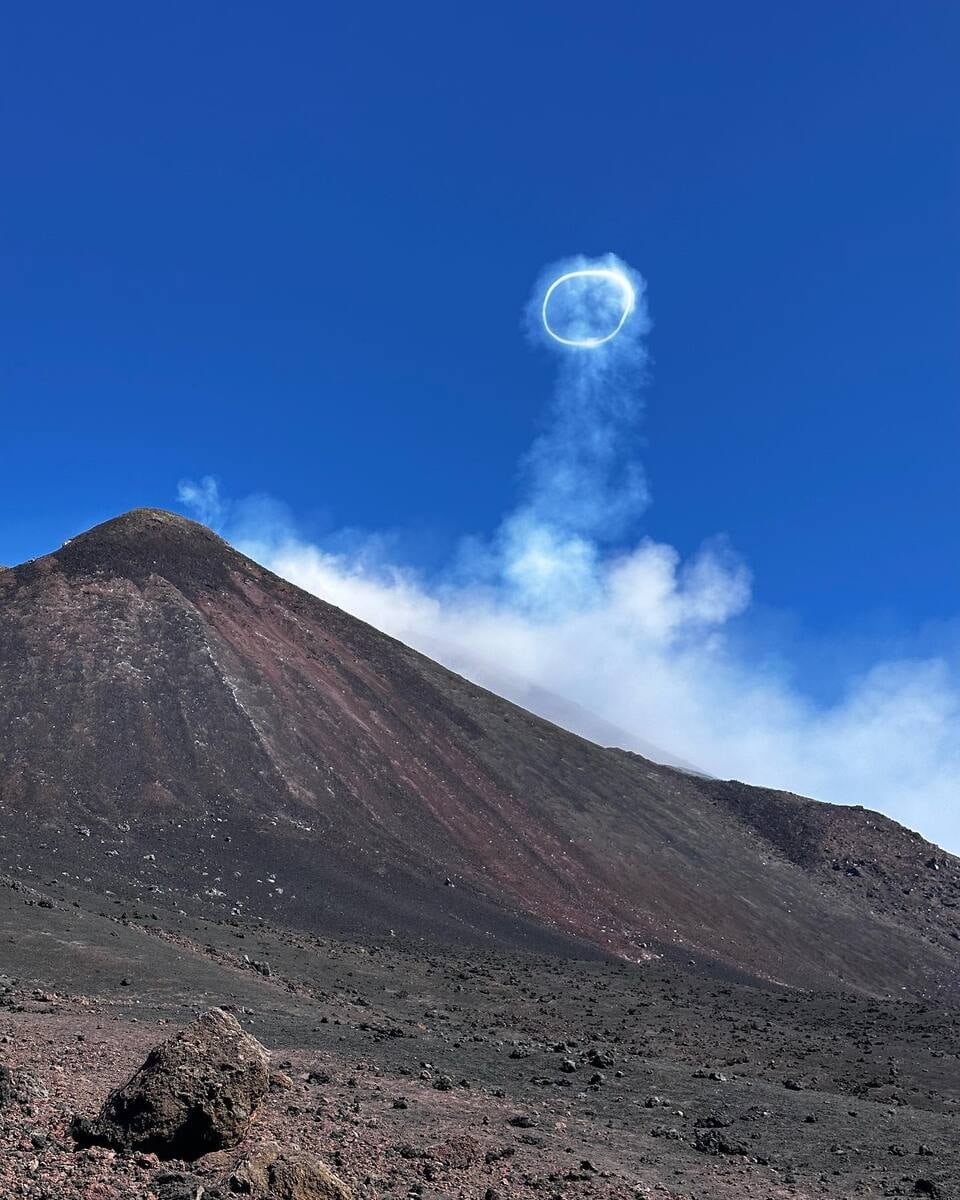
[176,721]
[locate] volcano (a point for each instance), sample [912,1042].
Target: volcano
[180,727]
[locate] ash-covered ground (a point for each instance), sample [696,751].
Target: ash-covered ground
[419,1072]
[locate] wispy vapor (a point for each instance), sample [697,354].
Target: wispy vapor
[625,641]
[579,474]
[202,499]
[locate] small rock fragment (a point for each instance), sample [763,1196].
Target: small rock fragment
[274,1174]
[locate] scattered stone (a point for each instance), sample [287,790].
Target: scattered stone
[712,1141]
[181,1185]
[714,1120]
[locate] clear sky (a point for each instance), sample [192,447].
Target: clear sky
[290,247]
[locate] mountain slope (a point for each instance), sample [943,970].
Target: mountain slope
[177,723]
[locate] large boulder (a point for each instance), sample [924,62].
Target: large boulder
[274,1174]
[196,1093]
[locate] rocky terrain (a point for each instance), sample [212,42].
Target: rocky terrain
[417,1072]
[487,958]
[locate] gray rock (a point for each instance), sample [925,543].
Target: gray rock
[180,1185]
[712,1141]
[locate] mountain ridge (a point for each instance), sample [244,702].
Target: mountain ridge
[272,756]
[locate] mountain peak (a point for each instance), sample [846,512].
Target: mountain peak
[147,541]
[136,521]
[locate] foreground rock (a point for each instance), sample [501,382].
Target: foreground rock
[17,1087]
[196,1093]
[274,1174]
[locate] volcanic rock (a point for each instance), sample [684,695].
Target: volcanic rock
[181,1185]
[17,1087]
[274,1174]
[712,1141]
[195,1093]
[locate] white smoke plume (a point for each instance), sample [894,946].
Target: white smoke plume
[202,499]
[625,642]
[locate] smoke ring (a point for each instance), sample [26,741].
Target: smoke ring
[609,275]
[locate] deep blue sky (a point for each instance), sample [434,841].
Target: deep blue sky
[290,246]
